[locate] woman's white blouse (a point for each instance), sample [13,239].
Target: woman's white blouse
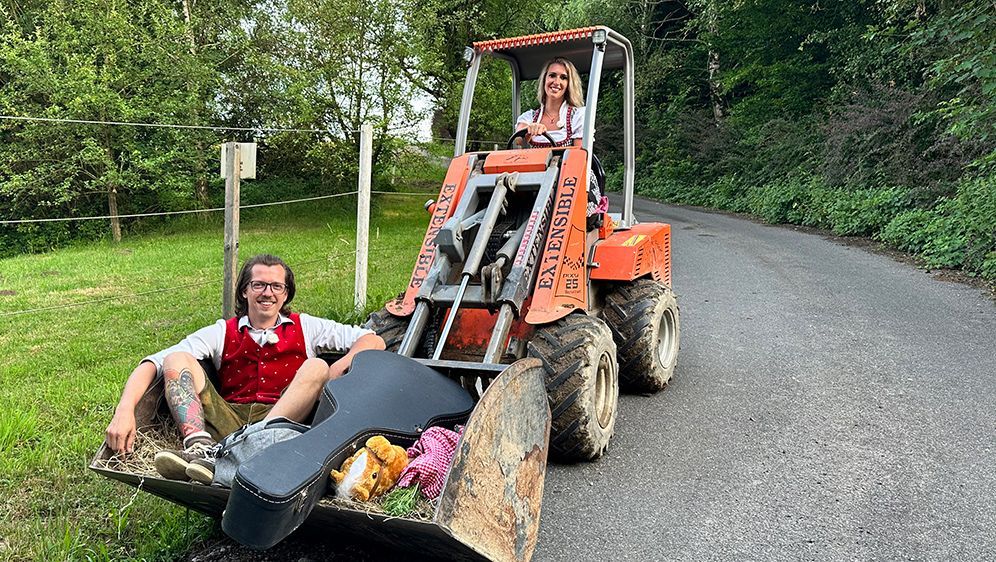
[560,133]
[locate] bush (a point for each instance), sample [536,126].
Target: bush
[958,232]
[774,201]
[819,202]
[672,191]
[976,209]
[865,212]
[989,267]
[945,237]
[908,231]
[797,199]
[727,193]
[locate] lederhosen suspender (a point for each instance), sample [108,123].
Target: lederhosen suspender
[570,129]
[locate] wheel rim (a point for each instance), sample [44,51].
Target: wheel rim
[667,335]
[604,383]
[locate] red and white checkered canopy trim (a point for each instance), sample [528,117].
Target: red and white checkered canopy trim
[531,40]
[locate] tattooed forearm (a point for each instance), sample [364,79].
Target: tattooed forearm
[181,396]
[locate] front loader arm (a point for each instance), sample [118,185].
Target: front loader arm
[449,195]
[561,283]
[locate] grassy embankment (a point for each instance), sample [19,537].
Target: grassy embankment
[956,231]
[62,370]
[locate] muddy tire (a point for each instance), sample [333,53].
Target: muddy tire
[388,326]
[582,383]
[643,316]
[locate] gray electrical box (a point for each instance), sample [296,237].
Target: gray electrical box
[247,152]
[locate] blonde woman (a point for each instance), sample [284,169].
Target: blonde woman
[561,113]
[561,116]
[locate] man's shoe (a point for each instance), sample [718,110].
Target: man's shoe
[201,470]
[173,465]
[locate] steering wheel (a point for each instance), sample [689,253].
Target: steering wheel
[521,134]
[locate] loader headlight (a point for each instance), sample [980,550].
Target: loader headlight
[598,36]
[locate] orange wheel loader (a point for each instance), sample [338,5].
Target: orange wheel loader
[540,311]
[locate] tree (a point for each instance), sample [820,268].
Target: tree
[102,60]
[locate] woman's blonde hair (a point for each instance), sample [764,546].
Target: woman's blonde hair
[574,95]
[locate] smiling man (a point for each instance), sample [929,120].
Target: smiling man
[266,358]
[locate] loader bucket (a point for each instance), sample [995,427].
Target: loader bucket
[489,508]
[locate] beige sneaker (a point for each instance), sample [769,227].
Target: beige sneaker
[201,470]
[174,465]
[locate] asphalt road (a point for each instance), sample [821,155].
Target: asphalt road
[829,403]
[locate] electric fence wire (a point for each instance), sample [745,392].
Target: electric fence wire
[219,127]
[164,213]
[105,299]
[167,125]
[216,279]
[404,193]
[469,141]
[65,120]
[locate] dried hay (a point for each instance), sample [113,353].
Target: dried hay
[148,441]
[155,438]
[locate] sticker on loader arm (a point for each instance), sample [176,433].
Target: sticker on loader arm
[561,282]
[456,179]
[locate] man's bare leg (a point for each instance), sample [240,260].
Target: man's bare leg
[299,399]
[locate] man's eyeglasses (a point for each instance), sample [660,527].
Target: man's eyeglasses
[259,287]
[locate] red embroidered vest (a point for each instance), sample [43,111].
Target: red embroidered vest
[250,373]
[568,125]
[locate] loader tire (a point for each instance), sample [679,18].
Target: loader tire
[388,326]
[582,383]
[643,316]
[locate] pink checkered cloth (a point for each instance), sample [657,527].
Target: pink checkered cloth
[431,457]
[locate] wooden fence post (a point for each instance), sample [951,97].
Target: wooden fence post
[363,217]
[233,166]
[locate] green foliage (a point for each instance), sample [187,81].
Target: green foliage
[866,118]
[964,67]
[793,199]
[865,211]
[400,502]
[976,201]
[957,232]
[989,268]
[440,30]
[53,508]
[908,230]
[256,64]
[92,59]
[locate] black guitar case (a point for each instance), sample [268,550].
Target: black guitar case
[383,394]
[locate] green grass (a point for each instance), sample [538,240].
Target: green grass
[62,369]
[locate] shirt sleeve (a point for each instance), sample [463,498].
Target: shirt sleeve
[526,117]
[206,343]
[322,335]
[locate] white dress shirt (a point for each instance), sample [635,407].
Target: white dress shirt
[320,336]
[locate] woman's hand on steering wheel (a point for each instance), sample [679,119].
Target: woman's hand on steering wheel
[524,133]
[535,129]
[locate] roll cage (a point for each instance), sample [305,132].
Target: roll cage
[591,50]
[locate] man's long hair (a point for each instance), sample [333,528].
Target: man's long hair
[245,276]
[574,95]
